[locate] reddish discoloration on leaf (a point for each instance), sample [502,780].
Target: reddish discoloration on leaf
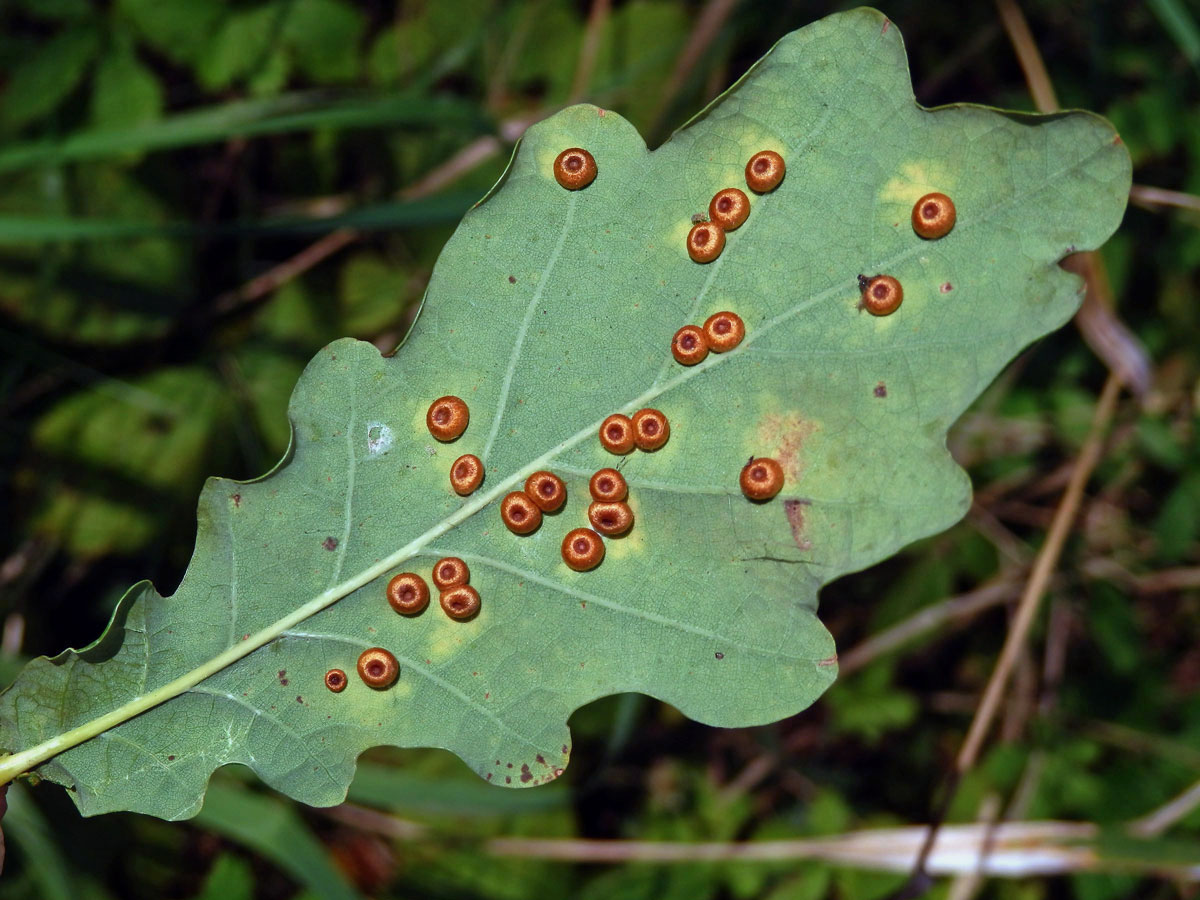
[786,434]
[794,510]
[881,390]
[283,677]
[828,661]
[330,543]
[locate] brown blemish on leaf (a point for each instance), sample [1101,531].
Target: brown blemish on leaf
[507,780]
[300,699]
[881,390]
[512,279]
[236,498]
[828,661]
[283,677]
[330,543]
[526,775]
[786,433]
[946,287]
[719,655]
[794,510]
[541,759]
[488,776]
[171,758]
[566,749]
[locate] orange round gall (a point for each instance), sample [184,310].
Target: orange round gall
[933,216]
[546,490]
[616,434]
[582,549]
[705,242]
[520,514]
[882,295]
[761,479]
[575,168]
[460,602]
[729,208]
[378,668]
[689,345]
[650,429]
[723,331]
[764,171]
[466,474]
[335,680]
[447,418]
[407,593]
[610,519]
[450,572]
[608,486]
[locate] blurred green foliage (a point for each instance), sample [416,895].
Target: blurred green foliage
[158,161]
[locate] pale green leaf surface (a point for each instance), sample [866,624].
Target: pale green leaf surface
[547,311]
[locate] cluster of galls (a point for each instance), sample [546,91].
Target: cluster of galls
[408,594]
[933,217]
[729,208]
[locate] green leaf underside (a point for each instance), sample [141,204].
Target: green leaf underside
[549,310]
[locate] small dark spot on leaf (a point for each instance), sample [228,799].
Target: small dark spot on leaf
[283,677]
[507,780]
[541,759]
[171,758]
[946,287]
[566,749]
[488,776]
[881,390]
[330,543]
[526,775]
[719,655]
[485,697]
[299,699]
[512,279]
[237,499]
[510,765]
